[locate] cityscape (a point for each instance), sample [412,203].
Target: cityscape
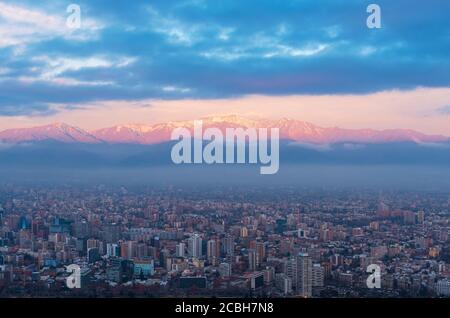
[186,242]
[205,156]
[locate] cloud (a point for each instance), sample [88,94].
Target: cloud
[63,81]
[52,69]
[383,110]
[176,89]
[174,30]
[225,33]
[57,66]
[20,25]
[283,50]
[201,50]
[264,47]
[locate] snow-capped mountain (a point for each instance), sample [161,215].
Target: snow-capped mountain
[58,132]
[294,130]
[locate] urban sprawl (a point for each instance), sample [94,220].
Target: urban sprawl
[176,241]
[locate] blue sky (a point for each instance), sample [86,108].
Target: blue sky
[197,49]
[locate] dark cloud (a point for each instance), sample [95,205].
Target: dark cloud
[229,48]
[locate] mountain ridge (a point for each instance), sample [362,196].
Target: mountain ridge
[148,134]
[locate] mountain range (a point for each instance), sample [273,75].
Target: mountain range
[143,134]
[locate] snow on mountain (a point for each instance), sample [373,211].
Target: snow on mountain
[295,130]
[56,132]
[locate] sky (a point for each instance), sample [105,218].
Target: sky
[154,61]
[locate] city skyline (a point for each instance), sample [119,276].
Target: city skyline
[226,155]
[178,241]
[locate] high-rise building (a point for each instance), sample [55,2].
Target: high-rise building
[443,287]
[251,259]
[90,243]
[283,283]
[291,271]
[299,269]
[112,250]
[93,255]
[211,251]
[304,268]
[318,275]
[269,275]
[128,249]
[120,270]
[164,259]
[256,280]
[195,246]
[180,250]
[260,253]
[225,269]
[143,268]
[409,217]
[420,217]
[228,245]
[142,251]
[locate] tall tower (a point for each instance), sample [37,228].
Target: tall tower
[299,270]
[180,248]
[304,275]
[252,260]
[228,245]
[195,246]
[420,217]
[211,251]
[260,253]
[244,232]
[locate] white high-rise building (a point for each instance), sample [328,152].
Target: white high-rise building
[304,268]
[195,246]
[299,270]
